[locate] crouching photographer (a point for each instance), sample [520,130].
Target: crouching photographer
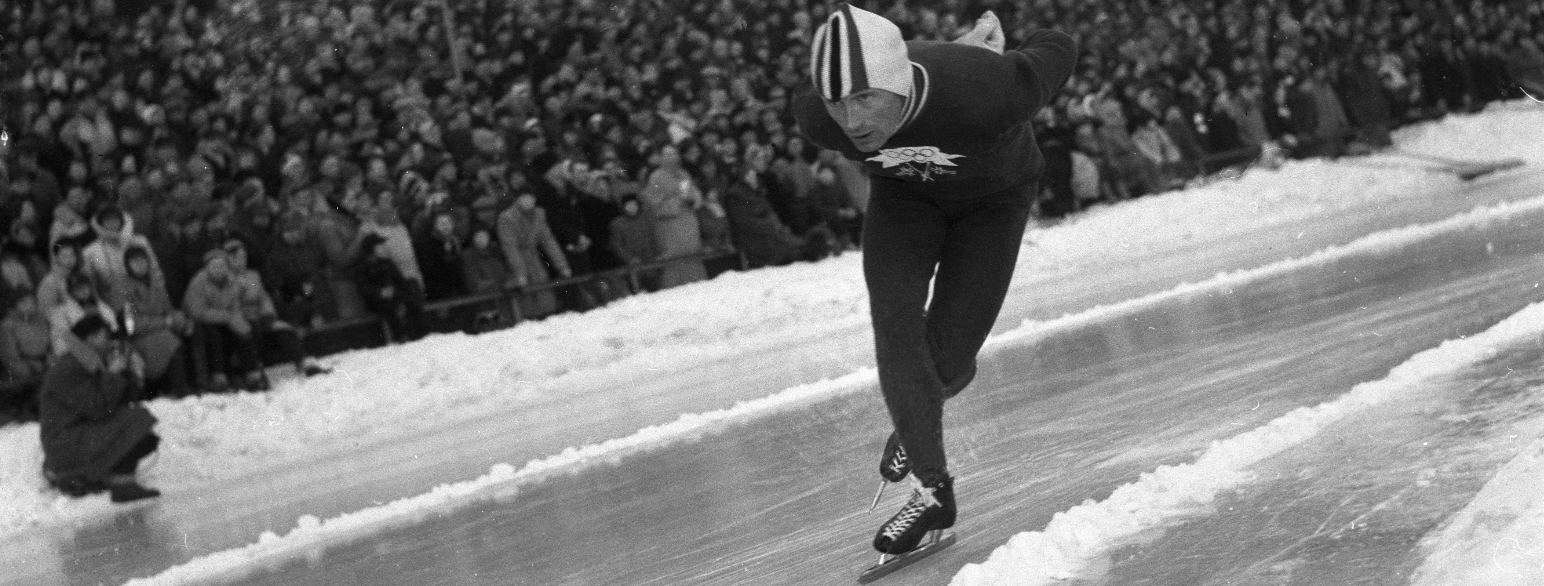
[94,429]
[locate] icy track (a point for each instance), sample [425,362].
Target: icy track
[392,393]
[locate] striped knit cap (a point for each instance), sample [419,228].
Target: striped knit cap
[856,50]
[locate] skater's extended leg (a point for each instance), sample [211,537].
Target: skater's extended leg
[974,272]
[902,240]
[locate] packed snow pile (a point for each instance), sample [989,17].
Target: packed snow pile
[386,394]
[1222,210]
[1079,538]
[1498,539]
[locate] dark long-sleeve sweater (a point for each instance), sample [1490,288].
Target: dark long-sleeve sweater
[968,128]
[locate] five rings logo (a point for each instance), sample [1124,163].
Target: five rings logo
[925,161]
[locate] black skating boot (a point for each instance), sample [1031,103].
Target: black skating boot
[893,466]
[931,508]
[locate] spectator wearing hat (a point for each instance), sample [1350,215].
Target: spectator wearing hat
[439,257]
[382,220]
[234,320]
[297,273]
[483,268]
[94,431]
[529,248]
[103,259]
[758,232]
[670,198]
[385,290]
[633,241]
[336,232]
[138,296]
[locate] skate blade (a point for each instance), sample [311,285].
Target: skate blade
[879,493]
[884,568]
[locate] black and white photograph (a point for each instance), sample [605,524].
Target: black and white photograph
[771,292]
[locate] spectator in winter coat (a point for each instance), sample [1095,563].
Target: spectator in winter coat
[1366,104]
[1131,172]
[833,208]
[156,327]
[70,217]
[382,220]
[483,269]
[439,257]
[94,432]
[81,300]
[24,244]
[297,273]
[336,232]
[25,348]
[1525,65]
[633,241]
[526,238]
[1087,182]
[669,198]
[758,233]
[713,222]
[103,259]
[234,318]
[384,289]
[53,289]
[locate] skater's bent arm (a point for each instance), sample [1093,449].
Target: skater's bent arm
[1044,62]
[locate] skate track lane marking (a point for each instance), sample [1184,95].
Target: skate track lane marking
[311,536]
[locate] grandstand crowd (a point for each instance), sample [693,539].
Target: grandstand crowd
[219,179]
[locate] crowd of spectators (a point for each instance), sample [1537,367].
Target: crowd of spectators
[224,175]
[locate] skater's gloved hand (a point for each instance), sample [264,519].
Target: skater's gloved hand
[988,34]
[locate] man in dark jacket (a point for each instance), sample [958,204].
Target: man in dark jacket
[94,432]
[944,131]
[757,230]
[384,289]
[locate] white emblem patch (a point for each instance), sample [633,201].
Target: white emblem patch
[923,161]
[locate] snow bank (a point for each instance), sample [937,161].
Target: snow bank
[1224,210]
[1079,538]
[1498,539]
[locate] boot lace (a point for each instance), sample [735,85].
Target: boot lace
[897,464]
[921,498]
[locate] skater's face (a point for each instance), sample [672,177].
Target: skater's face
[869,117]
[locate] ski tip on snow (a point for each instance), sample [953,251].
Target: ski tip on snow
[884,568]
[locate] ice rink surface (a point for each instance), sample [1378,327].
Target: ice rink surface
[1048,424]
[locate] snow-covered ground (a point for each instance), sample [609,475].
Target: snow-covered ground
[388,394]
